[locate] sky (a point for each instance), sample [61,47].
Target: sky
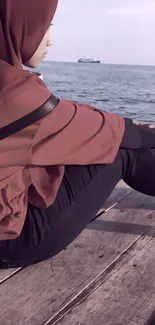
[114,31]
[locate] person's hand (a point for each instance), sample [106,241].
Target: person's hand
[145,125]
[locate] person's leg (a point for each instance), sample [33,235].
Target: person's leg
[140,138]
[141,173]
[82,193]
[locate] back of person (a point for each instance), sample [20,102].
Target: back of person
[55,155]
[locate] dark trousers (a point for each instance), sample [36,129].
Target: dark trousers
[83,192]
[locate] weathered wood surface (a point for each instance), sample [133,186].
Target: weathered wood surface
[147,310]
[41,295]
[139,322]
[6,274]
[120,192]
[122,295]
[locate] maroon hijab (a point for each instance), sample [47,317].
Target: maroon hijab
[23,24]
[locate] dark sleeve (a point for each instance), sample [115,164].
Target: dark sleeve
[137,137]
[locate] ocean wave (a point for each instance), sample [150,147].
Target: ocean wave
[136,101]
[103,100]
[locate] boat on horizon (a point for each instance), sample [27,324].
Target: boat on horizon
[88,60]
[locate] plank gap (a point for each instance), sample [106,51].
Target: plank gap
[10,275]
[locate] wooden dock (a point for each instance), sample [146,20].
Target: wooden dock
[105,277]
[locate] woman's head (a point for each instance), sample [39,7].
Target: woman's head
[24,30]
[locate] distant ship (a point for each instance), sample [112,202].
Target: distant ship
[88,60]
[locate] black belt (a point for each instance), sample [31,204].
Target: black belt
[29,119]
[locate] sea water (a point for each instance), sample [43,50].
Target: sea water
[127,90]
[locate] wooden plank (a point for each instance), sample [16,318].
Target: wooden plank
[38,293]
[151,319]
[140,322]
[122,295]
[147,310]
[103,276]
[6,274]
